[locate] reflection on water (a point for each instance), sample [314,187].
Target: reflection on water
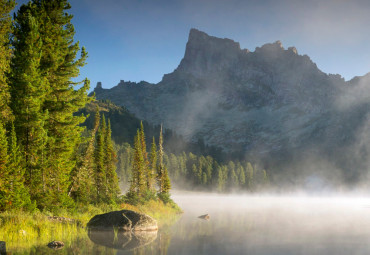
[245,225]
[272,225]
[122,240]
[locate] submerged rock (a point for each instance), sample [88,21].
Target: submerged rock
[204,217]
[125,220]
[125,240]
[56,245]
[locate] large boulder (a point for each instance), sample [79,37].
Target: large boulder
[125,220]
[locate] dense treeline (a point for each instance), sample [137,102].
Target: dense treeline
[45,161]
[149,177]
[187,170]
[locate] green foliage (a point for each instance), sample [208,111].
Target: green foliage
[3,167]
[167,200]
[138,179]
[153,165]
[100,175]
[5,28]
[110,160]
[18,196]
[44,99]
[166,183]
[132,198]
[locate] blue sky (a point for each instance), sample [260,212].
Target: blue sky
[144,39]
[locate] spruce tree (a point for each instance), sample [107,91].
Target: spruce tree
[100,175]
[18,196]
[250,176]
[153,165]
[83,185]
[166,183]
[4,175]
[5,55]
[162,173]
[110,161]
[28,92]
[138,178]
[59,65]
[160,166]
[146,167]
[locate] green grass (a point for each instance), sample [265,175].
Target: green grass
[165,214]
[23,230]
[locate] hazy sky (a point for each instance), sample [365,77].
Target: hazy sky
[144,39]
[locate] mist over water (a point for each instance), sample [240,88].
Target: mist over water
[294,224]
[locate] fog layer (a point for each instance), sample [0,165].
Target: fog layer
[294,224]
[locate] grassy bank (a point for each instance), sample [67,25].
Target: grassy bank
[23,230]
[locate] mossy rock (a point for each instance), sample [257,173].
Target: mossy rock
[124,220]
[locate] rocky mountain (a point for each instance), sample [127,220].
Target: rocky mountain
[271,104]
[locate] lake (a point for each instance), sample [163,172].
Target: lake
[246,225]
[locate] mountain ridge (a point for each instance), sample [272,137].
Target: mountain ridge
[267,104]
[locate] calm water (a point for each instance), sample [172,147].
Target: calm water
[246,225]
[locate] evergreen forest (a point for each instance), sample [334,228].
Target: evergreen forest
[59,147]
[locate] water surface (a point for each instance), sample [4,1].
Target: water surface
[246,225]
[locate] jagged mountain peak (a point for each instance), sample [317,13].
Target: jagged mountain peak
[266,102]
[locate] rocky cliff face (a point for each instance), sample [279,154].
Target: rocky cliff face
[269,102]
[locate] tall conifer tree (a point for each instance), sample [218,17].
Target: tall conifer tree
[153,165]
[4,175]
[58,64]
[110,161]
[146,168]
[83,184]
[5,54]
[28,90]
[18,196]
[138,180]
[100,175]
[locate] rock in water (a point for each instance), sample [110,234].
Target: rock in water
[2,248]
[125,220]
[204,217]
[56,245]
[122,240]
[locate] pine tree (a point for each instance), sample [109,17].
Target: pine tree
[153,165]
[18,196]
[138,181]
[220,180]
[58,65]
[100,175]
[160,166]
[4,175]
[28,91]
[166,182]
[146,167]
[83,185]
[5,28]
[250,176]
[110,161]
[162,173]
